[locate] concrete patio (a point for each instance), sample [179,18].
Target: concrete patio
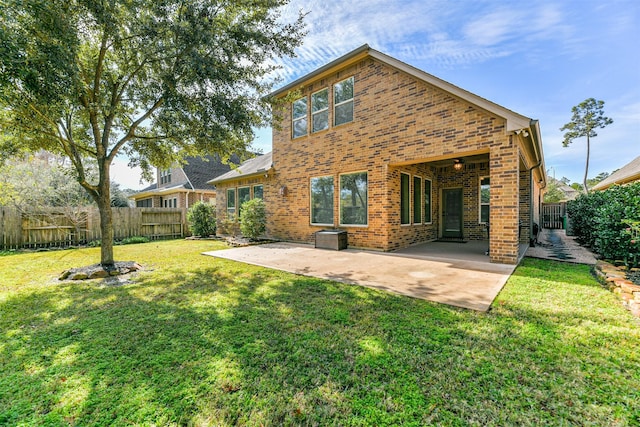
[457,274]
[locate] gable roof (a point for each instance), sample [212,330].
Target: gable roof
[514,122]
[200,171]
[256,166]
[626,174]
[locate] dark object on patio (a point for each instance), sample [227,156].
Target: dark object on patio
[535,230]
[486,226]
[331,239]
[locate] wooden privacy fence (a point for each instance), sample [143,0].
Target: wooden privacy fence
[74,226]
[553,215]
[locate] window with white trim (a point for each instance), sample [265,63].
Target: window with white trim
[320,110]
[353,199]
[417,200]
[322,189]
[165,176]
[343,102]
[299,117]
[485,198]
[405,202]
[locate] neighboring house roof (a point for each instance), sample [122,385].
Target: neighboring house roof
[569,192]
[521,125]
[626,174]
[256,166]
[198,172]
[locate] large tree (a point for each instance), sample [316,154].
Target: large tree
[587,117]
[152,79]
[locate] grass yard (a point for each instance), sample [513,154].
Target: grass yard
[201,341]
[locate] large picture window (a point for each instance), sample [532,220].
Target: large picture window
[485,199]
[404,199]
[322,200]
[299,117]
[417,200]
[343,102]
[353,199]
[427,201]
[320,110]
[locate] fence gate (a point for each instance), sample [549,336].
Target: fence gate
[552,215]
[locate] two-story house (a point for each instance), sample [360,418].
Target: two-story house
[182,186]
[396,156]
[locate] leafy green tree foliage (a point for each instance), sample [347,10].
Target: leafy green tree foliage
[155,80]
[553,193]
[586,118]
[253,218]
[202,219]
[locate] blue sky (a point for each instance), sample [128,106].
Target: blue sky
[538,58]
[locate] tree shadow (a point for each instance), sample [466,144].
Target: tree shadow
[237,345]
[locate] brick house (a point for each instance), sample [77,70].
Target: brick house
[182,186]
[395,157]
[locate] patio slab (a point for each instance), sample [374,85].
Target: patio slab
[467,283]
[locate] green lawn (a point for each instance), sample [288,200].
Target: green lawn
[201,341]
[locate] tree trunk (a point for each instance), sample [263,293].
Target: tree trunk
[586,169]
[106,217]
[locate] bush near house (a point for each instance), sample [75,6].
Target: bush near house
[608,222]
[202,219]
[253,218]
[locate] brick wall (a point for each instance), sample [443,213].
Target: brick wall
[401,121]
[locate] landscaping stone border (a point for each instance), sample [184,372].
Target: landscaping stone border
[615,278]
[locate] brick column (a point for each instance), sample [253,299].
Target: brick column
[504,212]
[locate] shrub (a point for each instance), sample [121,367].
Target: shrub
[253,218]
[133,240]
[608,222]
[202,219]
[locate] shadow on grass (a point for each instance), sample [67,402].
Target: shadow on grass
[233,344]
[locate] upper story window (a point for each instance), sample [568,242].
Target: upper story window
[320,110]
[343,102]
[165,176]
[299,117]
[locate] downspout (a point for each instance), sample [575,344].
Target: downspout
[186,201]
[531,189]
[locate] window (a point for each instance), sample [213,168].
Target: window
[404,199]
[320,110]
[165,176]
[231,202]
[485,199]
[417,200]
[353,199]
[144,203]
[322,200]
[243,197]
[299,117]
[427,201]
[343,102]
[170,203]
[258,192]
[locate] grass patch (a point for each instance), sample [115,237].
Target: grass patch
[202,341]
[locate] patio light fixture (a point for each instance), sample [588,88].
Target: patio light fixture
[458,164]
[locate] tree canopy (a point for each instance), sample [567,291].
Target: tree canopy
[155,80]
[586,118]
